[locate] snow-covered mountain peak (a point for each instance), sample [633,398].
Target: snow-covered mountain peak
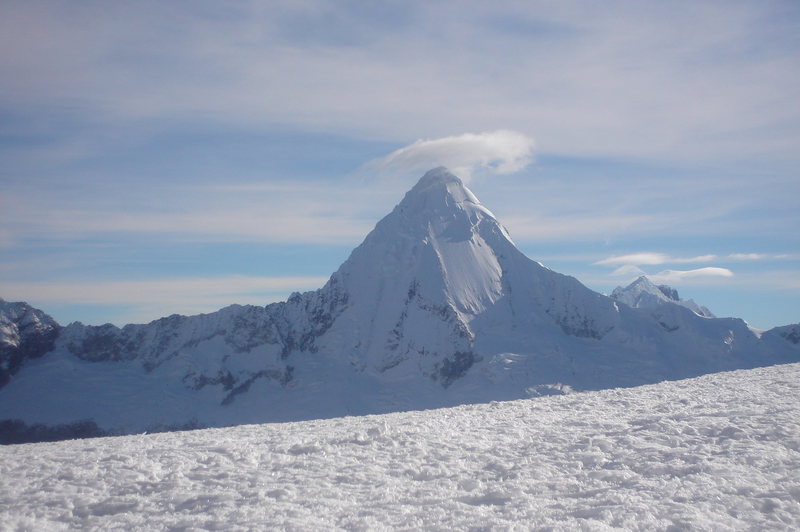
[438,194]
[440,269]
[643,285]
[438,175]
[643,293]
[429,266]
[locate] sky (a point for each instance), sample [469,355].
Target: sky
[178,157]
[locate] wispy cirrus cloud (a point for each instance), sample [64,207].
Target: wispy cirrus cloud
[298,213]
[748,256]
[172,290]
[392,71]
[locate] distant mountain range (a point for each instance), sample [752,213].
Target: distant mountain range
[436,307]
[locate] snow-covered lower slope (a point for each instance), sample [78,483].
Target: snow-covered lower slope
[642,293]
[437,307]
[719,452]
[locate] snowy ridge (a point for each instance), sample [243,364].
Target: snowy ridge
[642,293]
[437,307]
[719,452]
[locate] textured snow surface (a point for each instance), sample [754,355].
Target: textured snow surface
[712,453]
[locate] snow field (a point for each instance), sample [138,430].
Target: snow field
[717,452]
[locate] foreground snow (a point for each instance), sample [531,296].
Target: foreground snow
[716,452]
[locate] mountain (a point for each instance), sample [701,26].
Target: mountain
[642,293]
[436,307]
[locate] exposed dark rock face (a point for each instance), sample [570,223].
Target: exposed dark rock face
[791,334]
[25,333]
[454,367]
[305,317]
[669,292]
[100,344]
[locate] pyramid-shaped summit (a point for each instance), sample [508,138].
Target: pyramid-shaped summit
[439,277]
[436,307]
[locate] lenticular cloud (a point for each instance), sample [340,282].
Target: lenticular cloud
[674,276]
[501,152]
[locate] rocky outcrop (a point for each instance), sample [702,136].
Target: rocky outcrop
[25,333]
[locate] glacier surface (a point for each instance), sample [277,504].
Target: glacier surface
[718,452]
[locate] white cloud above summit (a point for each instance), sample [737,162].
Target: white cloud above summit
[500,152]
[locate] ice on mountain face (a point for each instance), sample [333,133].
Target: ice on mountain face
[436,307]
[642,293]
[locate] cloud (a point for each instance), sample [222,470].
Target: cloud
[171,290]
[748,256]
[677,276]
[628,266]
[628,270]
[501,152]
[277,212]
[648,258]
[652,258]
[391,73]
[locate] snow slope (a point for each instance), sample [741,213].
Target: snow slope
[719,452]
[437,307]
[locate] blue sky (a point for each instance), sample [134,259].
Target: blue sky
[179,157]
